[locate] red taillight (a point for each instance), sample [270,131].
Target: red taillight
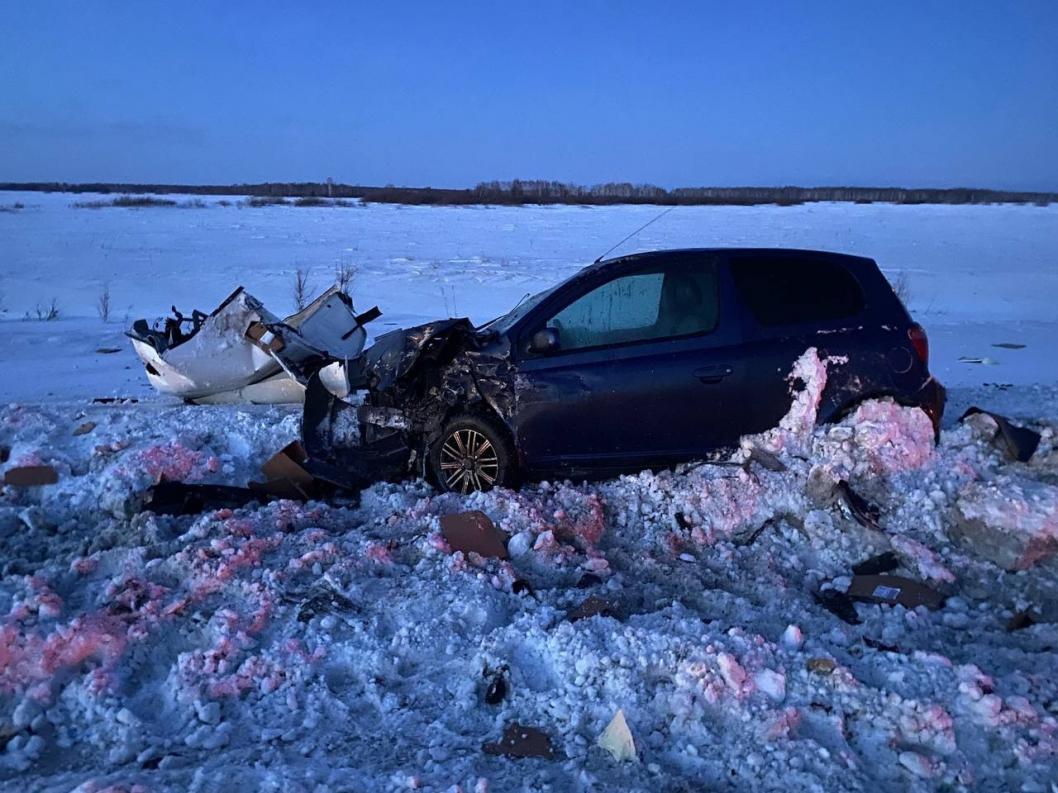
[920,342]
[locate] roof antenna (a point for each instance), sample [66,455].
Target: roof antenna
[626,239]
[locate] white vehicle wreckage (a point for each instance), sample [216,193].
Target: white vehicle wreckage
[369,415]
[242,352]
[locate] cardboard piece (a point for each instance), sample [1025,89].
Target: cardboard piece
[288,463]
[474,532]
[285,474]
[893,590]
[520,741]
[31,476]
[617,739]
[260,335]
[1019,443]
[592,607]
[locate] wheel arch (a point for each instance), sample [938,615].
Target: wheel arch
[842,410]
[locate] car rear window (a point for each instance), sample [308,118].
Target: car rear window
[795,290]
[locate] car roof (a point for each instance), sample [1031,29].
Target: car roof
[776,252]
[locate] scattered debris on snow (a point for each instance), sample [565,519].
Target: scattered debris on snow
[617,739]
[473,532]
[345,645]
[30,476]
[894,589]
[520,741]
[1018,442]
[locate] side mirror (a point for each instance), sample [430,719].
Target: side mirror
[544,341]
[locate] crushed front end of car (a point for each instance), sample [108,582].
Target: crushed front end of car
[375,417]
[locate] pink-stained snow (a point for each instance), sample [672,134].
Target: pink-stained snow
[329,647]
[1024,509]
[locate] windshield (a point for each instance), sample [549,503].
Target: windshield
[505,322]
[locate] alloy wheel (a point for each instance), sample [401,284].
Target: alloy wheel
[469,461]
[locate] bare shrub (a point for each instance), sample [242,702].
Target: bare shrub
[128,202]
[302,289]
[47,313]
[266,201]
[136,202]
[317,201]
[103,303]
[901,284]
[343,276]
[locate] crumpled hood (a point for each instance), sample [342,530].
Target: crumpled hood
[396,355]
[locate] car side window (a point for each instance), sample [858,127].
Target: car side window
[792,290]
[663,302]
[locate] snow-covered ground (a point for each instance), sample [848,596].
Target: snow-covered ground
[345,647]
[977,275]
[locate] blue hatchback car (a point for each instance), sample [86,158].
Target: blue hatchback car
[642,361]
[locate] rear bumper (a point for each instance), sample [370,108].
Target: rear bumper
[932,398]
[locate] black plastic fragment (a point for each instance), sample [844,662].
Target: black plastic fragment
[179,498]
[1020,443]
[839,604]
[324,601]
[496,690]
[882,646]
[865,513]
[882,563]
[1020,621]
[332,458]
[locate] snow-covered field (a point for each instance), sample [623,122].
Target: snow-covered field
[345,647]
[978,275]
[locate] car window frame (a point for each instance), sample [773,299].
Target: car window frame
[536,320]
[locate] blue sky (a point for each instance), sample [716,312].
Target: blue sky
[448,93]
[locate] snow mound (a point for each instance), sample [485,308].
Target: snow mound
[329,647]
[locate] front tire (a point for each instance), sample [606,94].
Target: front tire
[471,454]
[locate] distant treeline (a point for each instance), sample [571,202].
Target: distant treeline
[543,192]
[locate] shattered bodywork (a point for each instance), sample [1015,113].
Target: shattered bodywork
[241,352]
[411,381]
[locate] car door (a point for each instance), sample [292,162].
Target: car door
[646,371]
[791,301]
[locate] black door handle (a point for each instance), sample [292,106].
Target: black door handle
[713,374]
